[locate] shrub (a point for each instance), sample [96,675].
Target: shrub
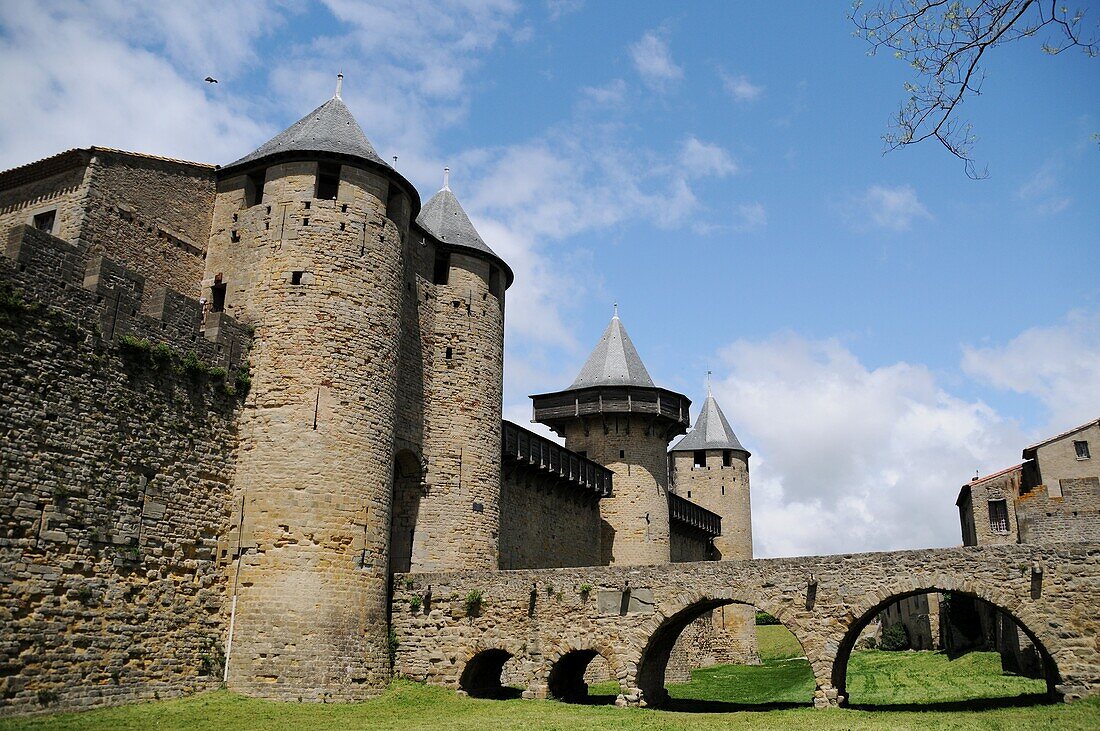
[415,602]
[392,645]
[585,590]
[763,618]
[243,379]
[894,638]
[473,601]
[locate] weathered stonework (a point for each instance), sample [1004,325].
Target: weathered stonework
[633,615]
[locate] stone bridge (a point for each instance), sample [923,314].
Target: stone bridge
[457,629]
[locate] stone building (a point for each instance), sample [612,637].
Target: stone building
[237,399]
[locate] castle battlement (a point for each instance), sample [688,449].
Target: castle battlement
[104,294]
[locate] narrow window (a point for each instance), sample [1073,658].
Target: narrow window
[442,272]
[723,489]
[495,287]
[305,221]
[235,237]
[700,458]
[622,454]
[44,221]
[1082,450]
[328,181]
[296,277]
[217,297]
[998,516]
[689,494]
[254,189]
[394,204]
[450,352]
[727,457]
[306,205]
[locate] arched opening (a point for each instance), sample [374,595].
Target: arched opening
[568,680]
[407,491]
[778,675]
[933,649]
[481,678]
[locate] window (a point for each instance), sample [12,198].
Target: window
[700,458]
[450,353]
[622,454]
[328,181]
[296,277]
[442,272]
[998,516]
[254,189]
[727,457]
[495,287]
[217,297]
[1082,450]
[44,221]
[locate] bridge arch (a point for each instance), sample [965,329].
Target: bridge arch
[566,666]
[1031,622]
[653,662]
[481,675]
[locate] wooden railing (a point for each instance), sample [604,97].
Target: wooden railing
[686,512]
[522,446]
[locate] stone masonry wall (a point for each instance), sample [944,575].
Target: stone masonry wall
[63,192]
[635,518]
[117,443]
[544,524]
[1004,486]
[321,282]
[459,515]
[632,615]
[1058,459]
[720,489]
[1074,516]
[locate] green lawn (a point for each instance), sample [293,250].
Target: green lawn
[908,689]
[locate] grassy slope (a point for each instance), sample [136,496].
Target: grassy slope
[911,685]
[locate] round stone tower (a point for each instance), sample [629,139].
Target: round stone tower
[306,246]
[617,417]
[458,515]
[711,468]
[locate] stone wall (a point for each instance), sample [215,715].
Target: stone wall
[64,191]
[1072,516]
[722,489]
[977,528]
[1057,460]
[547,524]
[117,443]
[632,615]
[689,544]
[321,281]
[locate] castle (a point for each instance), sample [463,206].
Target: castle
[238,399]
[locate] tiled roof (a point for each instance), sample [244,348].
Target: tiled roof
[711,431]
[614,362]
[443,217]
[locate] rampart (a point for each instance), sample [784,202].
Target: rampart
[117,442]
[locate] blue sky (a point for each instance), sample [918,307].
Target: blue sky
[879,326]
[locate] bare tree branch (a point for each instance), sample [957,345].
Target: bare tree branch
[944,41]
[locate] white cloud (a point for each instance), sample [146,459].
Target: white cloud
[740,88]
[852,458]
[611,94]
[1059,365]
[892,209]
[701,158]
[1043,193]
[750,217]
[653,60]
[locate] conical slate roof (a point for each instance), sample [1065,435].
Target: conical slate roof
[328,128]
[711,431]
[444,218]
[614,362]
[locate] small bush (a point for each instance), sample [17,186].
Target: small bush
[12,301]
[243,380]
[473,601]
[46,697]
[763,618]
[84,594]
[584,590]
[894,638]
[392,645]
[414,602]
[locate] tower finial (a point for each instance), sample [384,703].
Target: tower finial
[339,84]
[708,382]
[446,178]
[616,315]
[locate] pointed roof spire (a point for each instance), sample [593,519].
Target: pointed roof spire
[614,361]
[711,431]
[329,128]
[444,218]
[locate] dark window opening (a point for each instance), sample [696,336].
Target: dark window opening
[998,516]
[217,297]
[296,277]
[727,457]
[305,221]
[307,205]
[254,189]
[700,458]
[689,493]
[45,221]
[495,283]
[394,204]
[328,181]
[442,272]
[1082,450]
[342,224]
[235,237]
[450,353]
[344,208]
[622,454]
[723,489]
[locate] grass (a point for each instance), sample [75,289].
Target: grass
[908,689]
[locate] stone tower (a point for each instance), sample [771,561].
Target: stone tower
[458,522]
[614,415]
[306,246]
[711,468]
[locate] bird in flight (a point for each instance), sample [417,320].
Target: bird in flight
[210,80]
